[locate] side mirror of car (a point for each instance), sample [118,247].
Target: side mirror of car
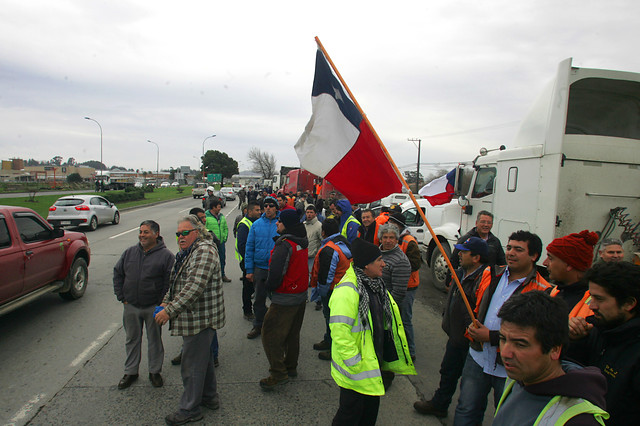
[57,233]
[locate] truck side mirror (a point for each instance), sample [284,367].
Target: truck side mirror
[464,203]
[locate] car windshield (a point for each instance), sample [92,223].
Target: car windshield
[68,202]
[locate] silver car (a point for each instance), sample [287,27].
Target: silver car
[83,210]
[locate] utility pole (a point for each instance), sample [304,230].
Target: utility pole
[418,165]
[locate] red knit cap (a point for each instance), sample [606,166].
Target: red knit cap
[575,249]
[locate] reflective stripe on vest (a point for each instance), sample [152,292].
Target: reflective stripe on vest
[346,224]
[414,279]
[560,409]
[248,223]
[582,308]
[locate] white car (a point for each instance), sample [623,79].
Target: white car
[165,185]
[83,210]
[228,193]
[175,184]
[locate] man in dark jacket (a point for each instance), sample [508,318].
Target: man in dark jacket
[244,225]
[610,339]
[473,260]
[541,388]
[484,223]
[369,226]
[287,283]
[140,281]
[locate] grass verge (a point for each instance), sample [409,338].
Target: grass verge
[42,203]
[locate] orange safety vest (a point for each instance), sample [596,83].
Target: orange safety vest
[414,279]
[582,308]
[341,268]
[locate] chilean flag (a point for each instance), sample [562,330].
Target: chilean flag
[440,191]
[337,143]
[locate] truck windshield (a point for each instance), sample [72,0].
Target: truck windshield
[604,107]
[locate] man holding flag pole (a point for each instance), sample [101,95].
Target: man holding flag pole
[340,144]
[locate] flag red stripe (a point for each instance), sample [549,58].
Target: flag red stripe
[364,174]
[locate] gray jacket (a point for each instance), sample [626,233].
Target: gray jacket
[396,272]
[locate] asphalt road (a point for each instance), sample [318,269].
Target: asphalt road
[61,361]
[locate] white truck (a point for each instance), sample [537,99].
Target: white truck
[575,165]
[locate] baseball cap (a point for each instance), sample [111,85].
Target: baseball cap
[475,245]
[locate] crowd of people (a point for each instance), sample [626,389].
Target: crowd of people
[557,343]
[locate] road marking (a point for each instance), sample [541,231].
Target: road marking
[26,408]
[80,358]
[123,233]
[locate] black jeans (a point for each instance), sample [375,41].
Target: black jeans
[247,291]
[450,372]
[356,409]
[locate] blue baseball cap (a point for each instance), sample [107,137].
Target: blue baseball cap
[475,245]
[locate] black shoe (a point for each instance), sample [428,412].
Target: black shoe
[211,405]
[177,359]
[255,332]
[156,380]
[249,317]
[322,346]
[427,407]
[225,279]
[325,355]
[318,306]
[180,419]
[292,373]
[127,380]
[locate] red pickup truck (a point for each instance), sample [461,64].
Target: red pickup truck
[36,259]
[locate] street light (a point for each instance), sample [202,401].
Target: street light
[157,159]
[205,139]
[418,165]
[95,121]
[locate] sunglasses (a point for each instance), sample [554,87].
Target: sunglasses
[184,233]
[270,205]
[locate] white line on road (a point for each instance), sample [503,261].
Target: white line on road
[122,233]
[93,345]
[26,408]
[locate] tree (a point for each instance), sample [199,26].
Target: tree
[71,161]
[56,161]
[263,162]
[95,164]
[219,162]
[410,177]
[74,178]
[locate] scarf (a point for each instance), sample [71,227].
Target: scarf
[376,285]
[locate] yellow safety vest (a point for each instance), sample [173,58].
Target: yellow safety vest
[247,222]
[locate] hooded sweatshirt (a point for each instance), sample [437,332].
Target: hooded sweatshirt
[288,277]
[524,403]
[352,227]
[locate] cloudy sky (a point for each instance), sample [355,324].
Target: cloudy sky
[457,74]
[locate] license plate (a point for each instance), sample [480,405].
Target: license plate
[65,222]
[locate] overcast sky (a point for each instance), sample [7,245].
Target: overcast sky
[457,74]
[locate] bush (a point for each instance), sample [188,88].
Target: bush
[148,188]
[74,178]
[118,197]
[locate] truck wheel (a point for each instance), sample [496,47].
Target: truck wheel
[76,279]
[439,268]
[93,224]
[116,218]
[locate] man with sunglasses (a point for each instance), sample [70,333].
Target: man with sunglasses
[260,242]
[195,306]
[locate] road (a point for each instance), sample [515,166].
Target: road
[61,361]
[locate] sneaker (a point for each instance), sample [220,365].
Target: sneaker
[249,317]
[318,306]
[322,346]
[225,279]
[211,405]
[177,359]
[255,332]
[180,419]
[270,382]
[324,355]
[427,408]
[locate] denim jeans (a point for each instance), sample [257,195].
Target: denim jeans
[474,389]
[223,257]
[450,371]
[406,313]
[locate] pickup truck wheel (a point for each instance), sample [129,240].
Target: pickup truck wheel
[93,223]
[439,268]
[116,218]
[76,279]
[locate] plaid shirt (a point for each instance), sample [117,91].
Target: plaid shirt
[195,300]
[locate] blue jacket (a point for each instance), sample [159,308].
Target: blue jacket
[259,243]
[352,227]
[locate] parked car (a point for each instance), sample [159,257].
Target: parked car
[216,194]
[165,185]
[228,193]
[37,259]
[83,210]
[175,184]
[199,190]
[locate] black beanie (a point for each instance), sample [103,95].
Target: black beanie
[364,252]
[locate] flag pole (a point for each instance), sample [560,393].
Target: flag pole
[404,182]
